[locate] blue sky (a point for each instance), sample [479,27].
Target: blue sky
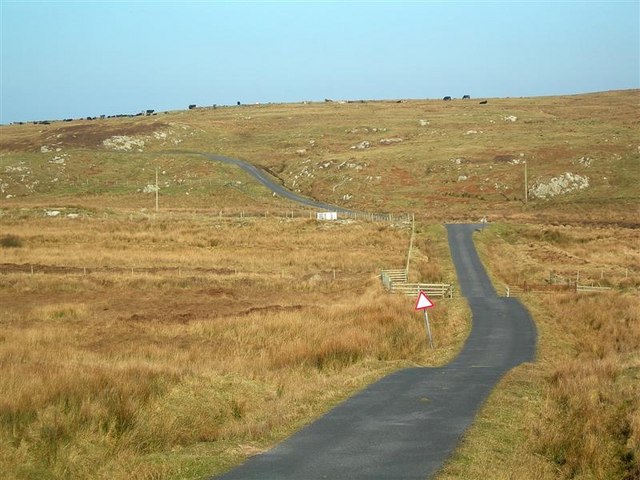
[78,59]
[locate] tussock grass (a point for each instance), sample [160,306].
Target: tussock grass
[575,413]
[589,423]
[226,337]
[10,241]
[173,345]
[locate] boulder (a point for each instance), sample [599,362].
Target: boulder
[361,146]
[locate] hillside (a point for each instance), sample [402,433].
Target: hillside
[175,345]
[443,160]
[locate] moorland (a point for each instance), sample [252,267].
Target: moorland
[137,343]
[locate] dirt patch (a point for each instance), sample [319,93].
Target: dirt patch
[181,318]
[272,308]
[403,177]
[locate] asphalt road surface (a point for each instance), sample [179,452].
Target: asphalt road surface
[265,179]
[407,424]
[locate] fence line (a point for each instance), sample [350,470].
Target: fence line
[395,281]
[179,271]
[226,214]
[515,290]
[375,217]
[311,214]
[391,277]
[592,288]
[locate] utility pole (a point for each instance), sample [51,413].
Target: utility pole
[413,231]
[526,184]
[157,190]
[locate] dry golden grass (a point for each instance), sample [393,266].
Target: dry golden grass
[575,413]
[227,336]
[174,346]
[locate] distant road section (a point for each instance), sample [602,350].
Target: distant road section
[266,180]
[407,424]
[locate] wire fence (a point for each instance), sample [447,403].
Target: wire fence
[542,289]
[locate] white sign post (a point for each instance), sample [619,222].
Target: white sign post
[423,303]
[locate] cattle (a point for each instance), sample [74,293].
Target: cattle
[149,112]
[238,103]
[483,102]
[466,97]
[447,98]
[192,106]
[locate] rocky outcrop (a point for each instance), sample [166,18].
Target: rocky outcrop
[389,141]
[563,184]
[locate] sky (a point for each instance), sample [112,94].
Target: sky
[67,59]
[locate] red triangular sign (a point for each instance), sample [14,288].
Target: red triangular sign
[423,301]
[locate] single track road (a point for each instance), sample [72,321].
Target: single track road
[265,179]
[408,423]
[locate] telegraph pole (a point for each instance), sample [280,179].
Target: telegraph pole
[526,183]
[413,231]
[157,190]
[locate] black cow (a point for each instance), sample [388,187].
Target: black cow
[466,97]
[447,98]
[192,106]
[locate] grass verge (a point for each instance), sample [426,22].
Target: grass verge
[575,412]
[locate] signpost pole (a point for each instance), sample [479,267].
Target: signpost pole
[426,321]
[423,303]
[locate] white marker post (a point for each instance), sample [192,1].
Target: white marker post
[423,303]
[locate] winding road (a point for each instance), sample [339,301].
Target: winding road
[407,424]
[262,177]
